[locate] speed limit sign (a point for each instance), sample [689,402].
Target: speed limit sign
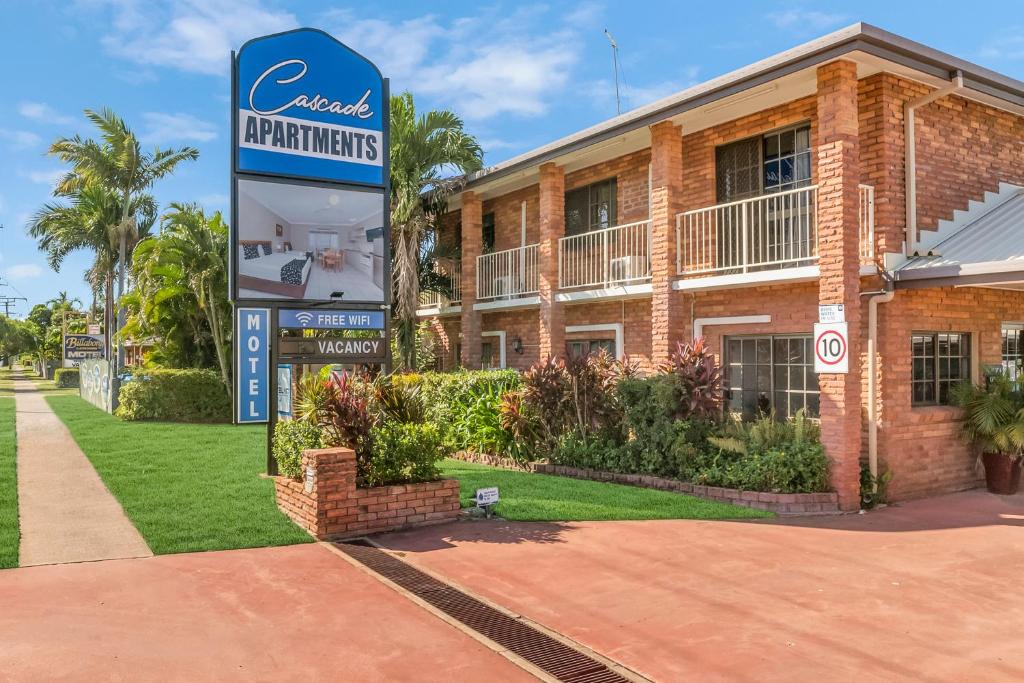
[831,344]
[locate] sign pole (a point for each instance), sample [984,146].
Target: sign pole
[275,338]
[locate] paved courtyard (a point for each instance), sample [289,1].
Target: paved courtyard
[294,613]
[927,591]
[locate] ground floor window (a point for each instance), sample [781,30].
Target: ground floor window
[488,357]
[1013,351]
[589,346]
[770,373]
[940,360]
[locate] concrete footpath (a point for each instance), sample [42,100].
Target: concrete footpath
[66,512]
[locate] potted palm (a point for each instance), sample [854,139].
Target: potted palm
[993,421]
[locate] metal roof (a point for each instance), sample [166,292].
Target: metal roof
[987,248]
[859,37]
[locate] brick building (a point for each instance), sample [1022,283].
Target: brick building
[736,207]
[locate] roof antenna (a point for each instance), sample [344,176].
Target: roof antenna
[615,65]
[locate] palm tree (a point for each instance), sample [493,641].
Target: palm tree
[87,219]
[422,148]
[184,268]
[116,161]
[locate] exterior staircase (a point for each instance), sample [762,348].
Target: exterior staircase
[929,240]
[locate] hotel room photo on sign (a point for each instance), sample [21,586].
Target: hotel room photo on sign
[312,243]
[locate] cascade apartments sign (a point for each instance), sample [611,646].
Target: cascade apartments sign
[309,231]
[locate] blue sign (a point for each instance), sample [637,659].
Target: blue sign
[252,378]
[327,319]
[310,107]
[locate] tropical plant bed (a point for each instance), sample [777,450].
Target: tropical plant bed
[779,503]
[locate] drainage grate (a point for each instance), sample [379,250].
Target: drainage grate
[555,657]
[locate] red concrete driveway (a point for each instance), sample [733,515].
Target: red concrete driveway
[295,613]
[927,591]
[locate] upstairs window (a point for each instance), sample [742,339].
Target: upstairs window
[487,228]
[590,208]
[773,162]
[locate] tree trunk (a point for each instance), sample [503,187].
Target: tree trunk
[122,255]
[213,317]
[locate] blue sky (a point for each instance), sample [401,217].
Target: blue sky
[520,74]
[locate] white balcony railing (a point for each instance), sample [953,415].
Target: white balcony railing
[508,274]
[760,233]
[437,299]
[602,258]
[866,215]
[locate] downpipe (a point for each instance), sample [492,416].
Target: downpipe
[878,297]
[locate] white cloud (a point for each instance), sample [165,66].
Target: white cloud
[48,177]
[1008,45]
[23,271]
[804,20]
[191,35]
[40,111]
[161,128]
[633,96]
[19,139]
[481,66]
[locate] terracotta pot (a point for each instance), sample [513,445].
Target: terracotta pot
[1002,474]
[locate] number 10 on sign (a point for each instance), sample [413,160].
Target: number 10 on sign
[831,348]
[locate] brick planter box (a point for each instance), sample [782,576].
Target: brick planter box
[779,503]
[327,503]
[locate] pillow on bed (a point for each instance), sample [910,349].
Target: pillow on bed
[250,251]
[267,251]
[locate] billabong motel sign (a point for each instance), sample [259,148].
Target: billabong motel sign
[310,239]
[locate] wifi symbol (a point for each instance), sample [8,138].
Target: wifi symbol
[304,317]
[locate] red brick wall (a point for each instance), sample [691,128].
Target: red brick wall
[964,149]
[446,333]
[335,508]
[522,324]
[508,217]
[921,445]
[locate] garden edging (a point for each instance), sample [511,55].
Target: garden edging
[327,503]
[779,503]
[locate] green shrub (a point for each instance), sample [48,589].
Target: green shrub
[797,468]
[291,437]
[175,396]
[403,453]
[66,377]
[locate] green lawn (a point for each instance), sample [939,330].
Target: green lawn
[9,536]
[185,487]
[532,497]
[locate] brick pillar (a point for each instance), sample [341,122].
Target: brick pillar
[552,227]
[472,243]
[839,259]
[666,193]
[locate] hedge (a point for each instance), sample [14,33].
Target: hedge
[175,396]
[66,377]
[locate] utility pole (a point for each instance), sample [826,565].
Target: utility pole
[615,66]
[9,302]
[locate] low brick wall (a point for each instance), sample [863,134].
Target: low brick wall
[780,503]
[495,461]
[327,503]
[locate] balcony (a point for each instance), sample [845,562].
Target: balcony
[509,274]
[613,257]
[432,303]
[772,232]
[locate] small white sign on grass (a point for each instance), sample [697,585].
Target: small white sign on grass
[487,496]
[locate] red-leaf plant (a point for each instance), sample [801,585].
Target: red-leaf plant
[698,378]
